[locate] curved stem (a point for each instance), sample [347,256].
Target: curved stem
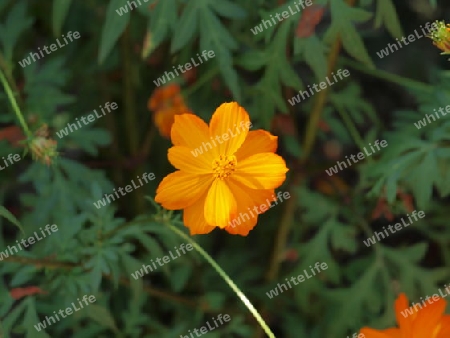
[351,128]
[381,74]
[226,278]
[14,104]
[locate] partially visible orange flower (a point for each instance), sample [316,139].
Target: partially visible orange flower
[426,321]
[441,36]
[224,171]
[166,102]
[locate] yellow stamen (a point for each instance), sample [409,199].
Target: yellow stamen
[224,166]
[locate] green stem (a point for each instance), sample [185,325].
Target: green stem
[381,74]
[14,105]
[226,278]
[351,128]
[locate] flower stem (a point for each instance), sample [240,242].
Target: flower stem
[226,278]
[14,104]
[351,128]
[381,74]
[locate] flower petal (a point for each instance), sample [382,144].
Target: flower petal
[180,190]
[189,131]
[405,323]
[230,123]
[389,333]
[257,141]
[184,159]
[220,206]
[261,171]
[428,318]
[250,204]
[194,218]
[445,327]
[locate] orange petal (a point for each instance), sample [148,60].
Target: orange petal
[428,317]
[189,131]
[220,206]
[194,218]
[180,190]
[230,122]
[389,333]
[257,141]
[185,159]
[444,332]
[405,323]
[261,171]
[250,203]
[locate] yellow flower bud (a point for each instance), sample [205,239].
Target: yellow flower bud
[441,36]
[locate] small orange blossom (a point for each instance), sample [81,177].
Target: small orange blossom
[227,179]
[426,322]
[166,102]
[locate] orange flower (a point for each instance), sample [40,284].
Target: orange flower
[425,320]
[224,171]
[166,102]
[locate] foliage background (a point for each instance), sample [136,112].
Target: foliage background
[117,59]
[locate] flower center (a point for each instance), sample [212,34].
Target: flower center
[224,166]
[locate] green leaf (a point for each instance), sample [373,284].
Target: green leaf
[10,217]
[343,17]
[214,36]
[59,14]
[228,9]
[102,316]
[15,24]
[113,28]
[269,88]
[252,60]
[163,20]
[187,27]
[314,53]
[386,13]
